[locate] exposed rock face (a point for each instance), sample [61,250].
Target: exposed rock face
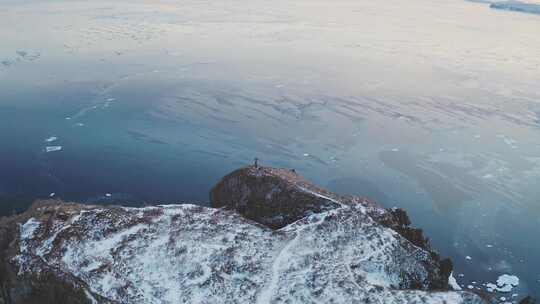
[527,300]
[70,253]
[270,196]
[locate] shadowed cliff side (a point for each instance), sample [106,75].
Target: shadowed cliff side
[51,285]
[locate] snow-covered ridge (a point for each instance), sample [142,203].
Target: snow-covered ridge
[272,237]
[192,254]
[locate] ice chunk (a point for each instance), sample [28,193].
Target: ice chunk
[468,258]
[52,194]
[53,148]
[491,287]
[51,139]
[507,279]
[505,283]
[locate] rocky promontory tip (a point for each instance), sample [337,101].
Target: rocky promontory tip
[275,238]
[274,197]
[277,197]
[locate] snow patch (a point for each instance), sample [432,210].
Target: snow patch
[453,283]
[28,229]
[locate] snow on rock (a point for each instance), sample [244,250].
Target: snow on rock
[193,254]
[278,197]
[453,282]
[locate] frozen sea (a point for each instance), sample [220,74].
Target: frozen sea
[429,105]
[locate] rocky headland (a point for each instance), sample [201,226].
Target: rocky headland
[269,236]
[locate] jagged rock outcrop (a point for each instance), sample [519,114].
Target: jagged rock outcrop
[60,252]
[527,300]
[274,197]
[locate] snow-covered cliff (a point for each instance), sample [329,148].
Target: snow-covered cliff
[192,254]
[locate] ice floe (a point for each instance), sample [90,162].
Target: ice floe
[53,148]
[51,139]
[505,283]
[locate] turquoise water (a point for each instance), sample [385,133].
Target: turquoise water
[424,107]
